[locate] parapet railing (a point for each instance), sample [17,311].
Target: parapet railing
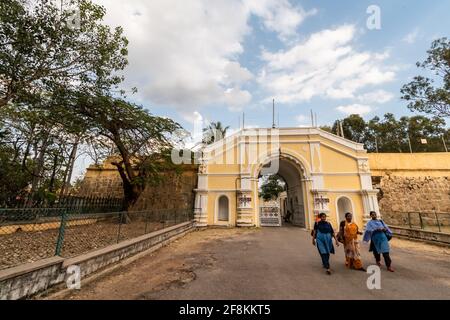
[435,221]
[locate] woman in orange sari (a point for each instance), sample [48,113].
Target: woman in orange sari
[349,231]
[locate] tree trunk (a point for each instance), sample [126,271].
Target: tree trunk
[131,192]
[69,168]
[27,150]
[38,168]
[51,184]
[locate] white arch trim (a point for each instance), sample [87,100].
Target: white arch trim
[277,153]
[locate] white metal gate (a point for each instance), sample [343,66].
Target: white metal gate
[269,216]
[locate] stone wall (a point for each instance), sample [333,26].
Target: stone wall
[412,183]
[414,194]
[175,191]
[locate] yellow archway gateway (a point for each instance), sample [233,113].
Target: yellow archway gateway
[318,167]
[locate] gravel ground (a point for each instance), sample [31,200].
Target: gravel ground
[25,247]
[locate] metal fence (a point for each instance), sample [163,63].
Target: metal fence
[74,203]
[434,221]
[28,235]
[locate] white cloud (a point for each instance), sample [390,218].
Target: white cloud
[378,96]
[236,98]
[279,15]
[184,54]
[236,74]
[411,37]
[303,120]
[324,65]
[355,109]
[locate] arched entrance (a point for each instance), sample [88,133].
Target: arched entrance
[344,205]
[223,210]
[318,169]
[291,173]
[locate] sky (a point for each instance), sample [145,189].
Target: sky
[217,59]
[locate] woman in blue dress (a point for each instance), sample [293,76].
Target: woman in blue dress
[322,237]
[377,232]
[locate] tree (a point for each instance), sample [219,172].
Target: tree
[42,148]
[354,128]
[423,93]
[142,142]
[41,52]
[429,130]
[386,134]
[391,135]
[13,180]
[214,132]
[272,188]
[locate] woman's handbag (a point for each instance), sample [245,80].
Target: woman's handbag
[388,234]
[340,237]
[340,234]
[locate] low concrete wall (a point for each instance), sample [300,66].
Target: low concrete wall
[29,279]
[429,236]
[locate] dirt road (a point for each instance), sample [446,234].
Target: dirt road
[268,263]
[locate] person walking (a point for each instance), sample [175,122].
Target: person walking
[322,237]
[348,235]
[379,234]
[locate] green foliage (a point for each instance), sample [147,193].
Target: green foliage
[214,132]
[271,188]
[431,95]
[13,180]
[353,126]
[43,53]
[141,141]
[391,135]
[59,89]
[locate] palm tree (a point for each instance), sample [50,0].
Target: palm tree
[214,132]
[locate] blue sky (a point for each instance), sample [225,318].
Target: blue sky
[220,58]
[217,59]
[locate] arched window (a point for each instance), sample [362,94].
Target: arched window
[223,209]
[344,205]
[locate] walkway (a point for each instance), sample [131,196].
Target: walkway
[269,263]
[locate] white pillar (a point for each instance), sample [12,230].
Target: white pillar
[200,211]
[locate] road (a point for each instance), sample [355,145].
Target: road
[268,263]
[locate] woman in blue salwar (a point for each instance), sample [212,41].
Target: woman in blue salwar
[323,234]
[377,232]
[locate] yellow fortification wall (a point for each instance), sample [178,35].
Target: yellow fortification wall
[328,168]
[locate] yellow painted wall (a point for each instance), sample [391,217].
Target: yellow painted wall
[222,182]
[333,161]
[213,198]
[433,164]
[358,208]
[350,182]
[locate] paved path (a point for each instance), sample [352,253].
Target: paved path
[269,263]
